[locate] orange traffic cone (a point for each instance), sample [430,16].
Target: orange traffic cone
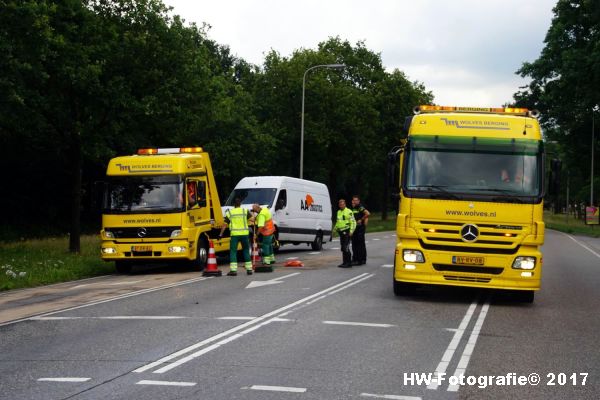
[211,265]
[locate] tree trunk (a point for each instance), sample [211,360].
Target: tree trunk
[76,159]
[386,195]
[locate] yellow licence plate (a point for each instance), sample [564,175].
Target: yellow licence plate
[141,248]
[467,260]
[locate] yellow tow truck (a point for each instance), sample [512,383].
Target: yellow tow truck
[161,205]
[470,185]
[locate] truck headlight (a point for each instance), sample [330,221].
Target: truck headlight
[176,233]
[109,250]
[109,235]
[524,263]
[413,256]
[177,249]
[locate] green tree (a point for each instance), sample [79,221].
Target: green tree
[565,81]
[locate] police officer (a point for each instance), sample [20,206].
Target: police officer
[266,228]
[361,215]
[237,219]
[345,226]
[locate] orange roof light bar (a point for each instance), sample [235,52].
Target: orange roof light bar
[195,149]
[147,151]
[494,110]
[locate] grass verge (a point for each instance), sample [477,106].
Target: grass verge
[559,222]
[36,262]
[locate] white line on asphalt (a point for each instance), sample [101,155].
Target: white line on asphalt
[335,248]
[387,266]
[582,245]
[277,388]
[468,351]
[358,324]
[237,318]
[314,252]
[123,296]
[376,239]
[292,258]
[166,383]
[264,319]
[288,275]
[449,353]
[390,396]
[66,379]
[125,282]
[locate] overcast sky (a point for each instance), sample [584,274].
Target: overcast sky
[465,51]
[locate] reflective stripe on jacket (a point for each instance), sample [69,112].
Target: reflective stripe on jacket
[264,222]
[238,221]
[345,220]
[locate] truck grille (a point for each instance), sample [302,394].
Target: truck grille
[468,269]
[466,279]
[492,238]
[142,232]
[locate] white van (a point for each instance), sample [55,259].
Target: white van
[301,209]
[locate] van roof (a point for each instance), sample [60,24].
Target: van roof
[276,181]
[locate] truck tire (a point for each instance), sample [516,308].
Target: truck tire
[317,244]
[201,255]
[123,267]
[525,296]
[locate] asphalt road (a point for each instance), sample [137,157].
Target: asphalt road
[318,332]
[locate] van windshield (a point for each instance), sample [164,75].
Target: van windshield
[144,195]
[262,196]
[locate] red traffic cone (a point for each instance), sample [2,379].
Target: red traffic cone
[255,255]
[211,265]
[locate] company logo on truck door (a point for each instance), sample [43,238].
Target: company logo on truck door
[309,204]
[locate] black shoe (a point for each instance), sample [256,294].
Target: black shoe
[363,262]
[345,266]
[249,272]
[356,263]
[232,273]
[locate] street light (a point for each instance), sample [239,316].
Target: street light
[332,66]
[594,109]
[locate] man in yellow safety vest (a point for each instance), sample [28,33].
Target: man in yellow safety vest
[266,228]
[237,220]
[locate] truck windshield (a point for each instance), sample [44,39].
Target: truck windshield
[500,170]
[263,196]
[144,195]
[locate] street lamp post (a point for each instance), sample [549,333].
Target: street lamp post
[333,66]
[594,109]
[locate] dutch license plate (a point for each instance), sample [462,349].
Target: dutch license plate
[140,249]
[467,260]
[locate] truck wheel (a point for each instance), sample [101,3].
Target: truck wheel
[317,244]
[525,296]
[404,288]
[123,267]
[201,255]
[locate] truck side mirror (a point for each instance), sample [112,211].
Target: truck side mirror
[393,158]
[554,179]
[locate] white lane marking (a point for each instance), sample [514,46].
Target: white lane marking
[335,240]
[468,351]
[390,396]
[314,252]
[358,324]
[124,283]
[275,313]
[273,281]
[376,239]
[582,245]
[238,318]
[277,388]
[117,317]
[335,248]
[292,258]
[123,296]
[65,379]
[449,353]
[80,286]
[166,383]
[387,266]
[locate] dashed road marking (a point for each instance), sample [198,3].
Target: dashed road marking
[358,324]
[390,396]
[277,388]
[64,379]
[387,266]
[165,383]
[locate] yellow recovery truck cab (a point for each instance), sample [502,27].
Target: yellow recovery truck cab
[471,183]
[161,205]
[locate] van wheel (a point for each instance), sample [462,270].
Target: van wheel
[123,267]
[317,244]
[201,255]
